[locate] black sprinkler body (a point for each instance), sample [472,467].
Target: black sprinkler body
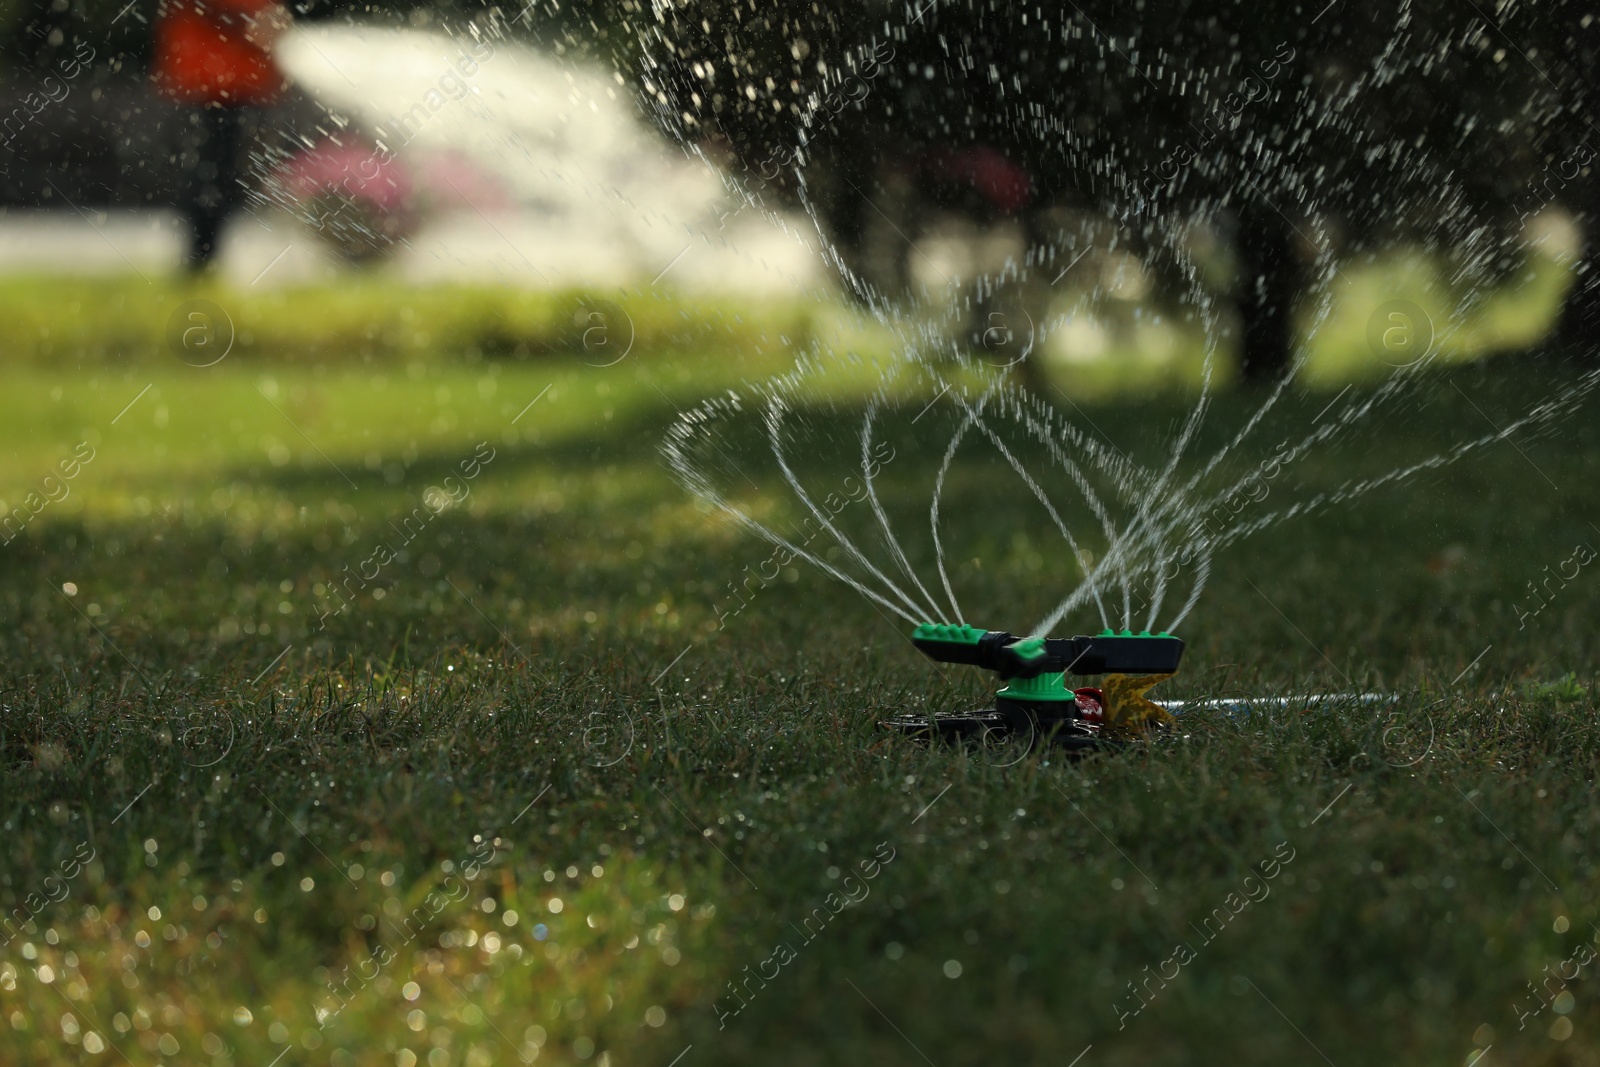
[1036,703]
[1107,652]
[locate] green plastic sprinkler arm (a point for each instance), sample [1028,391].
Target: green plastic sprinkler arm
[1107,652]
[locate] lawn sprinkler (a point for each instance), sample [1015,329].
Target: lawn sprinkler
[1035,702]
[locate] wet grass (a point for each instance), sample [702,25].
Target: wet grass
[532,803]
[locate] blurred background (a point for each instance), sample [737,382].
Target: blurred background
[596,147]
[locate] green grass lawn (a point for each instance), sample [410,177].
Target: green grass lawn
[520,799]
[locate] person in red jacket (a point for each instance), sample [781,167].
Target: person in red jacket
[216,56]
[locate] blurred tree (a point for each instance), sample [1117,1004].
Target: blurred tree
[1312,134]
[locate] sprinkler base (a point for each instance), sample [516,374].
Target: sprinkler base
[1010,725]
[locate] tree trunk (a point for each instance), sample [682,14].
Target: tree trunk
[857,194]
[1035,289]
[1578,330]
[1269,282]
